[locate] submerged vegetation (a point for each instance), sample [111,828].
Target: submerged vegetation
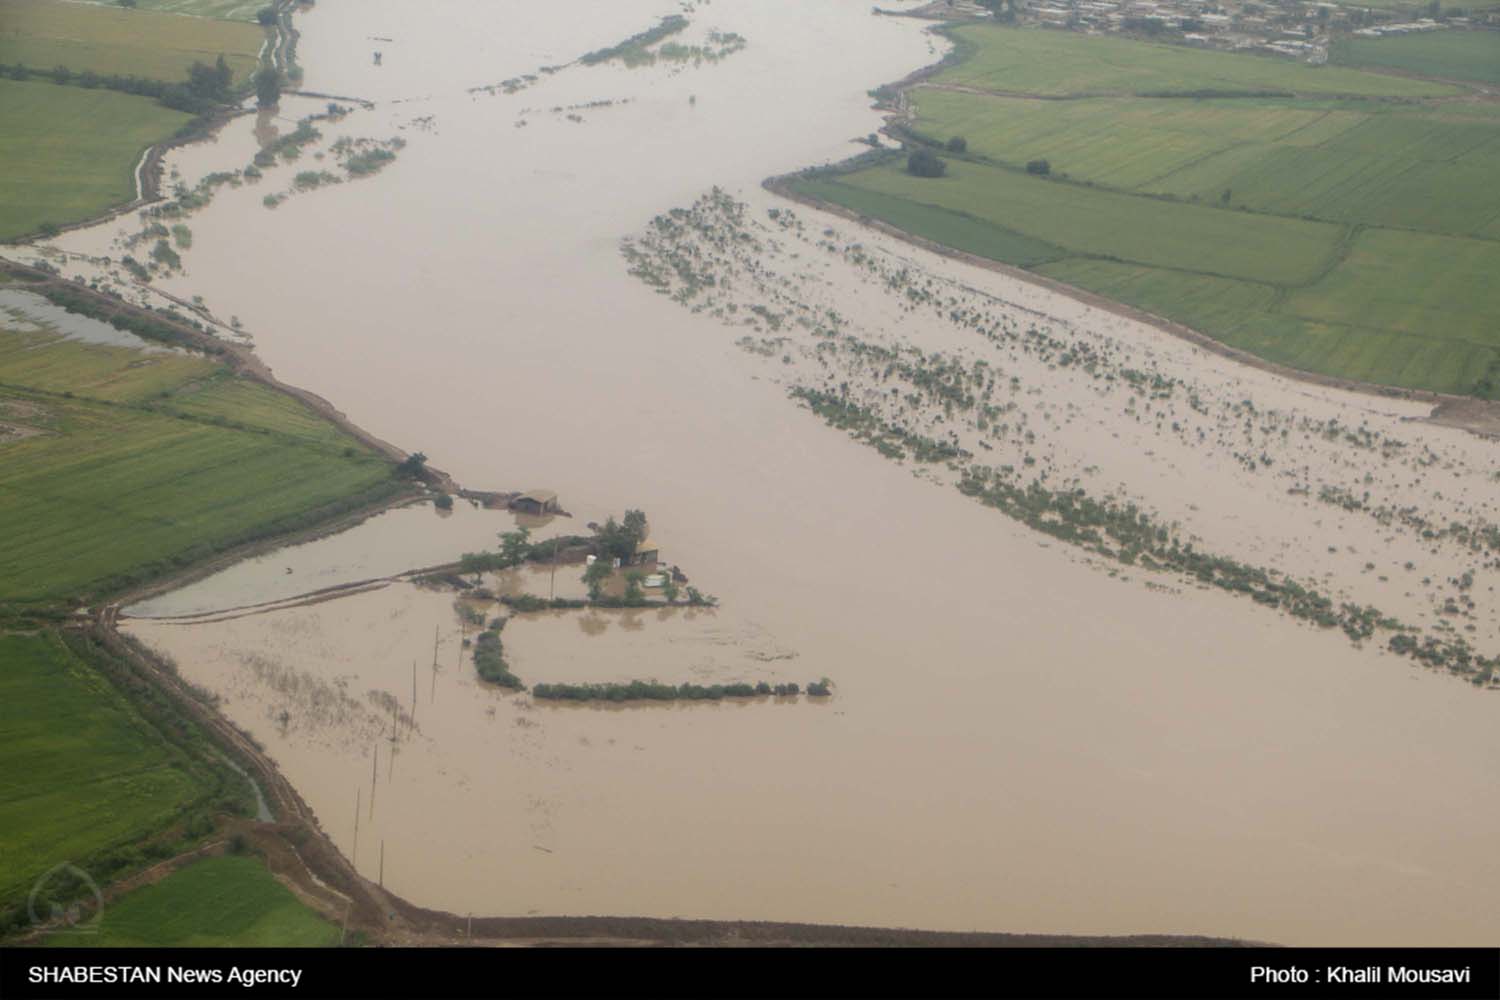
[941,410]
[635,50]
[489,660]
[656,691]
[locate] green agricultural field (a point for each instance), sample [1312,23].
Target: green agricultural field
[1409,171]
[159,46]
[1122,142]
[225,902]
[1093,222]
[1453,55]
[140,462]
[1413,168]
[233,10]
[81,771]
[1022,61]
[1412,283]
[71,153]
[954,229]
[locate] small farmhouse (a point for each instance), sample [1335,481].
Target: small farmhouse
[536,502]
[647,552]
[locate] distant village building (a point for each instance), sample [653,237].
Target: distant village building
[537,502]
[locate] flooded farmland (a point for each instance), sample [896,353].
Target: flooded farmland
[1020,738]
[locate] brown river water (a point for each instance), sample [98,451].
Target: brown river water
[1018,741]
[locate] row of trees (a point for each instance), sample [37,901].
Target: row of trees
[206,87]
[923,162]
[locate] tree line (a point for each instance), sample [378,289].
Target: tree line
[205,88]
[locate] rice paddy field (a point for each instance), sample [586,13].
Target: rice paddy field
[81,771]
[70,153]
[131,463]
[110,39]
[1454,55]
[1348,235]
[221,902]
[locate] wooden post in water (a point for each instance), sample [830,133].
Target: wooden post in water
[374,770]
[382,863]
[354,853]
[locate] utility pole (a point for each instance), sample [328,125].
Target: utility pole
[354,854]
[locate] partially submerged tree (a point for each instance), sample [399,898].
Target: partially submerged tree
[633,590]
[618,540]
[267,87]
[515,547]
[595,576]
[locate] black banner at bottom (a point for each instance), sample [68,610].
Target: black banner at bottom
[375,973]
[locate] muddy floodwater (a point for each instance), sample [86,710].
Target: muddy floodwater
[1019,740]
[416,536]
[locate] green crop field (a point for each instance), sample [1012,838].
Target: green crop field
[1412,283]
[1122,142]
[80,770]
[1349,235]
[225,902]
[1106,223]
[159,46]
[71,153]
[954,229]
[233,10]
[1021,61]
[147,460]
[1409,168]
[1453,55]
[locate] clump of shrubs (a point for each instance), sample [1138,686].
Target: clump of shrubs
[489,660]
[925,163]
